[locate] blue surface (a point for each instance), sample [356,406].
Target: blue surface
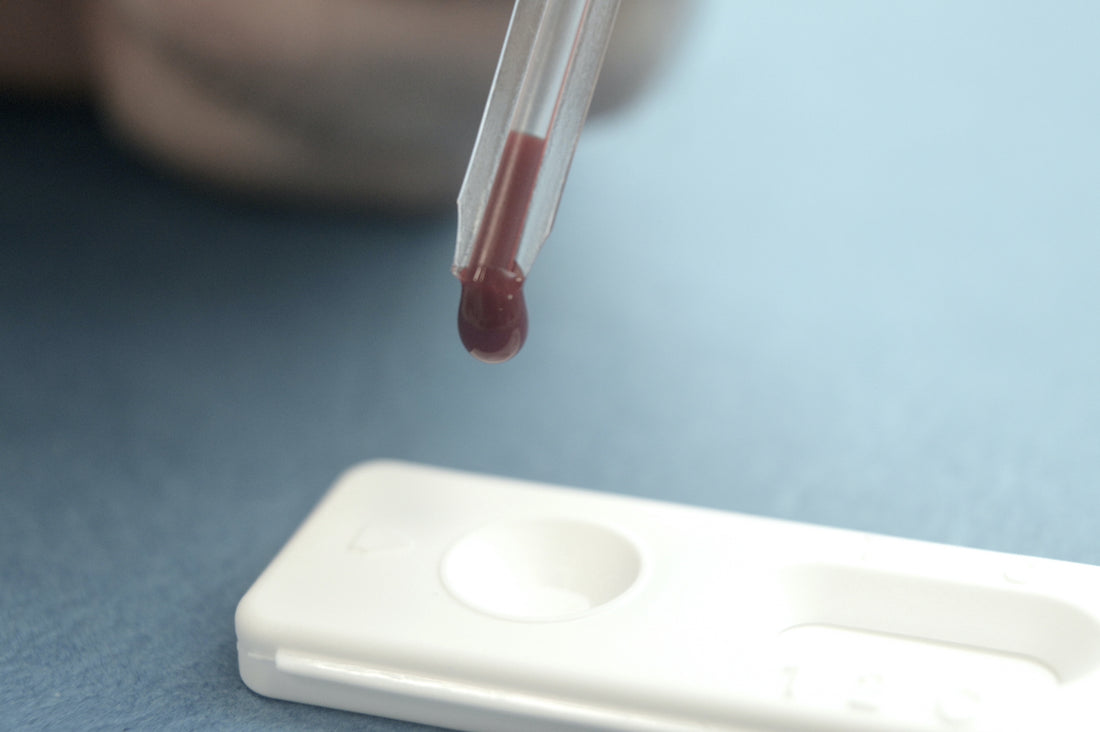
[839,266]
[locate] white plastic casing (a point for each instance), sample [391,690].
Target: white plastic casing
[491,605]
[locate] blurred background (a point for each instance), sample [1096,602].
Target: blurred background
[837,264]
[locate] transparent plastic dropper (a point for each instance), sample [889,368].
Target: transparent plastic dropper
[506,207]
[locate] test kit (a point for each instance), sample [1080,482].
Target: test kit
[492,605]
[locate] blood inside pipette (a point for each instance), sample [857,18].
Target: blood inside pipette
[492,315]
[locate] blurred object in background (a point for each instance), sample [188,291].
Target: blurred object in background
[369,103]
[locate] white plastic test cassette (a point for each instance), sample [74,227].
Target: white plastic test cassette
[490,605]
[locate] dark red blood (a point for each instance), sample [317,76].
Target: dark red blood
[492,316]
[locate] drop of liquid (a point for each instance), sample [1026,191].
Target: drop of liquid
[492,315]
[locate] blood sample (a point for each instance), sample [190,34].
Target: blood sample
[492,315]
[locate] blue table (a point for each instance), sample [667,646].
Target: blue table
[839,266]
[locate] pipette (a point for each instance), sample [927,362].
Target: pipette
[540,95]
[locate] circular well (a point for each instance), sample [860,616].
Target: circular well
[540,569]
